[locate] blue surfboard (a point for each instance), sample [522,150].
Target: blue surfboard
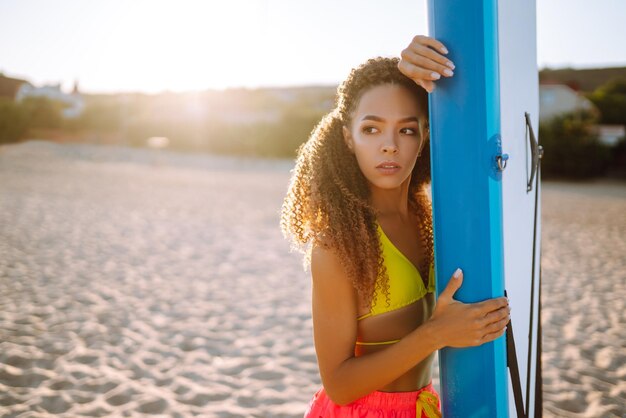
[485,190]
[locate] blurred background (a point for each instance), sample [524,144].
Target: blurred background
[253,77]
[146,147]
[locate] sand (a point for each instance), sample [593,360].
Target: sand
[137,283]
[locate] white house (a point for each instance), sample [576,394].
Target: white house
[555,99]
[74,100]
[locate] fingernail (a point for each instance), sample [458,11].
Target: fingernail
[444,50]
[457,273]
[447,72]
[450,64]
[434,75]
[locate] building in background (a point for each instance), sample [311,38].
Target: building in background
[556,99]
[74,101]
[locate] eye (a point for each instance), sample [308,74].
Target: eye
[411,131]
[366,129]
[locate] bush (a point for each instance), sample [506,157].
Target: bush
[272,140]
[13,121]
[610,99]
[42,112]
[570,150]
[101,117]
[617,167]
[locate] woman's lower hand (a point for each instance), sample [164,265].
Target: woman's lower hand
[459,324]
[423,62]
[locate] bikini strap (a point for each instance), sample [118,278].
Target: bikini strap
[377,343]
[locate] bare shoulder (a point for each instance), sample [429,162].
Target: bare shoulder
[334,309]
[333,291]
[326,266]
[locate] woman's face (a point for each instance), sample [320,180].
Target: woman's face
[385,129]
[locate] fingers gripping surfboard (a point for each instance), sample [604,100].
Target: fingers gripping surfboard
[486,206]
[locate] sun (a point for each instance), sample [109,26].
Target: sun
[186,46]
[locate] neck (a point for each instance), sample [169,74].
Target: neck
[391,203]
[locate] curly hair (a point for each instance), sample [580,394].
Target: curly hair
[328,198]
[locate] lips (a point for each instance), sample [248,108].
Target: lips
[388,164]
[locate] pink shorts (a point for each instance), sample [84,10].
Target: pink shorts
[377,404]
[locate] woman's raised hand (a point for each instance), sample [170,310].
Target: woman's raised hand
[421,62]
[459,324]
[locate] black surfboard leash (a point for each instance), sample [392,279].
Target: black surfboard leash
[537,153]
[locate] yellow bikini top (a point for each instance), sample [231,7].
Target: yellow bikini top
[405,282]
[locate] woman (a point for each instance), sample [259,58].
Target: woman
[358,195]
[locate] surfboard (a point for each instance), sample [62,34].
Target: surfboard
[486,198]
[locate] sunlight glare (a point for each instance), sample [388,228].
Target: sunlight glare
[186,45]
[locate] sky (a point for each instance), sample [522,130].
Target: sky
[151,46]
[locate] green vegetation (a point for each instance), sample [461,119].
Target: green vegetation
[32,113]
[273,123]
[264,122]
[570,150]
[13,121]
[610,98]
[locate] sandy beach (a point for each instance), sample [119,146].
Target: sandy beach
[141,283]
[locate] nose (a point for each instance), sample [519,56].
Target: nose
[390,146]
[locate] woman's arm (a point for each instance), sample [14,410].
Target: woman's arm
[346,377]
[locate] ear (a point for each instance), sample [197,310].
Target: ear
[347,137]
